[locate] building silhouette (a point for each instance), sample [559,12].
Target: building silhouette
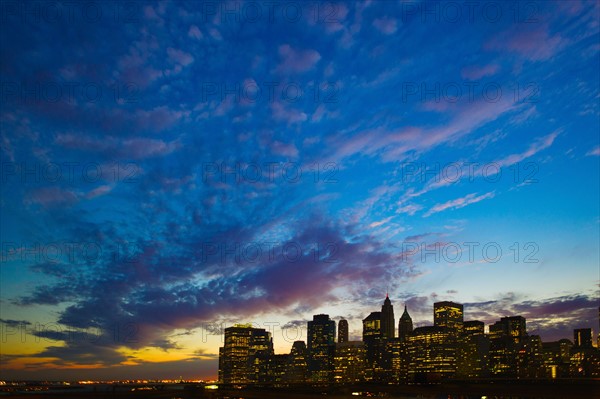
[343,331]
[582,338]
[405,325]
[297,371]
[321,348]
[388,322]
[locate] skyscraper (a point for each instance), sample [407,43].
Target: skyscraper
[582,338]
[321,348]
[239,358]
[405,325]
[297,367]
[506,337]
[388,322]
[448,314]
[374,345]
[342,331]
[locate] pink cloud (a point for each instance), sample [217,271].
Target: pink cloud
[296,60]
[99,191]
[535,44]
[284,149]
[179,56]
[52,196]
[594,151]
[477,72]
[194,32]
[134,148]
[459,202]
[386,25]
[534,148]
[281,113]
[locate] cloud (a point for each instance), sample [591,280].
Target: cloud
[52,196]
[288,115]
[459,202]
[538,145]
[530,41]
[296,61]
[158,292]
[594,151]
[386,25]
[179,56]
[288,150]
[133,148]
[194,32]
[478,72]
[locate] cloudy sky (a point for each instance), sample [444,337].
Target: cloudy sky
[169,169]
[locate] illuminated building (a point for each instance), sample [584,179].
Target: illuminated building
[448,314]
[374,345]
[297,371]
[432,354]
[555,358]
[472,354]
[397,351]
[506,337]
[405,325]
[388,322]
[582,338]
[241,359]
[277,367]
[585,358]
[474,327]
[321,348]
[349,362]
[343,331]
[530,358]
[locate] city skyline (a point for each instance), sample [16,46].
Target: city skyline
[169,169]
[452,348]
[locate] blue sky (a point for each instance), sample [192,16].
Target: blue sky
[169,168]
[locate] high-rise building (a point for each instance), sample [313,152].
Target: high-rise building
[342,331]
[240,359]
[431,353]
[473,348]
[349,362]
[582,338]
[388,322]
[297,370]
[506,339]
[321,348]
[448,314]
[374,345]
[405,325]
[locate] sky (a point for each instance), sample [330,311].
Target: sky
[170,169]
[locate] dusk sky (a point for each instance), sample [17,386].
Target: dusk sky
[172,168]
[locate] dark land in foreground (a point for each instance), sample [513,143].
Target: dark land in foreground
[499,390]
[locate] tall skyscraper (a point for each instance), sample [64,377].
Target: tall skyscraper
[506,338]
[448,314]
[582,338]
[239,358]
[388,322]
[321,348]
[405,325]
[374,345]
[342,331]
